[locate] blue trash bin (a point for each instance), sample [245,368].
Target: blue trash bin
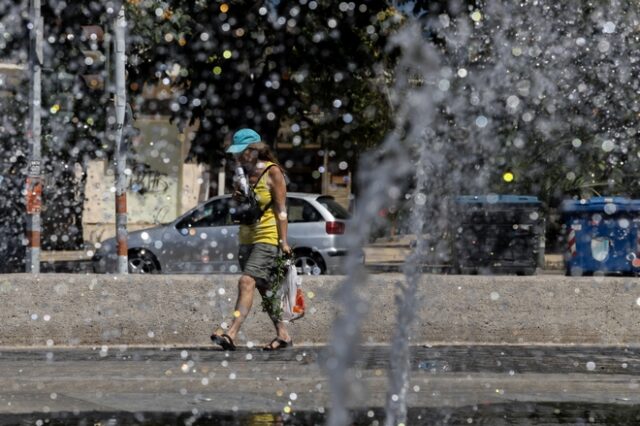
[602,236]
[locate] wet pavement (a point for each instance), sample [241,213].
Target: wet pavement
[448,385]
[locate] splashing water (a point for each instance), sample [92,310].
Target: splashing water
[504,99]
[384,180]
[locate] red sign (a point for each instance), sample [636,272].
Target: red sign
[34,195]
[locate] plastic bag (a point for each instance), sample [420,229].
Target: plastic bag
[292,301]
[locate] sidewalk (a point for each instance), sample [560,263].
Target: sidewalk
[65,261]
[63,256]
[391,253]
[383,255]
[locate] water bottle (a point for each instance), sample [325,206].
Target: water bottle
[241,178]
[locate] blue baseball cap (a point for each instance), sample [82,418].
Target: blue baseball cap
[242,139]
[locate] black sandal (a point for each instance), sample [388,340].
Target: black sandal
[224,341]
[282,344]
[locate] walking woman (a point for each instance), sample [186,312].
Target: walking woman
[260,243]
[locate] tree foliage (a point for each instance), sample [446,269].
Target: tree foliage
[269,63]
[538,97]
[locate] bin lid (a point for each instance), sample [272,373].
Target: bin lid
[609,205]
[497,199]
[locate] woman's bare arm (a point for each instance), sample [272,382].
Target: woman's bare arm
[279,197]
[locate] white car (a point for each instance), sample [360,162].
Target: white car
[204,240]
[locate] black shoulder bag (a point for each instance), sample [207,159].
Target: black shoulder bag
[245,210]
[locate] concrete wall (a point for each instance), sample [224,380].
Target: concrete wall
[167,187]
[145,208]
[183,310]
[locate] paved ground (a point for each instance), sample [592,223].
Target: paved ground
[448,385]
[385,256]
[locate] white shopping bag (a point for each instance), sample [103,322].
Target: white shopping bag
[292,297]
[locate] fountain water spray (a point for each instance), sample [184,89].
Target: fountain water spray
[383,180]
[479,101]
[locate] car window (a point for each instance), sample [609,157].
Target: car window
[302,211]
[334,208]
[214,213]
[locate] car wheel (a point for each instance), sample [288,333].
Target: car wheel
[309,263]
[143,262]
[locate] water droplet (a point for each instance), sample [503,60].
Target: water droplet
[604,46]
[513,102]
[444,85]
[482,121]
[609,27]
[608,145]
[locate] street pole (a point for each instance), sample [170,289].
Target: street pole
[34,132]
[120,152]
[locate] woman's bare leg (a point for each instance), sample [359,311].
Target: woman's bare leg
[246,286]
[281,327]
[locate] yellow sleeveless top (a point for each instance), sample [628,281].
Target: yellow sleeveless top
[265,231]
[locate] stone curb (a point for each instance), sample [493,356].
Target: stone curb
[75,309]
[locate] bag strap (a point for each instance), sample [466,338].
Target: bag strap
[266,169]
[268,206]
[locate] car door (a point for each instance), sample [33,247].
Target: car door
[209,239]
[306,225]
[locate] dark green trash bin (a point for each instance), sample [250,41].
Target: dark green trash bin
[497,234]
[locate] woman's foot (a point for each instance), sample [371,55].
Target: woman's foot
[224,341]
[277,344]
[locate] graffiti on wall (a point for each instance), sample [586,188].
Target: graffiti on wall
[144,180]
